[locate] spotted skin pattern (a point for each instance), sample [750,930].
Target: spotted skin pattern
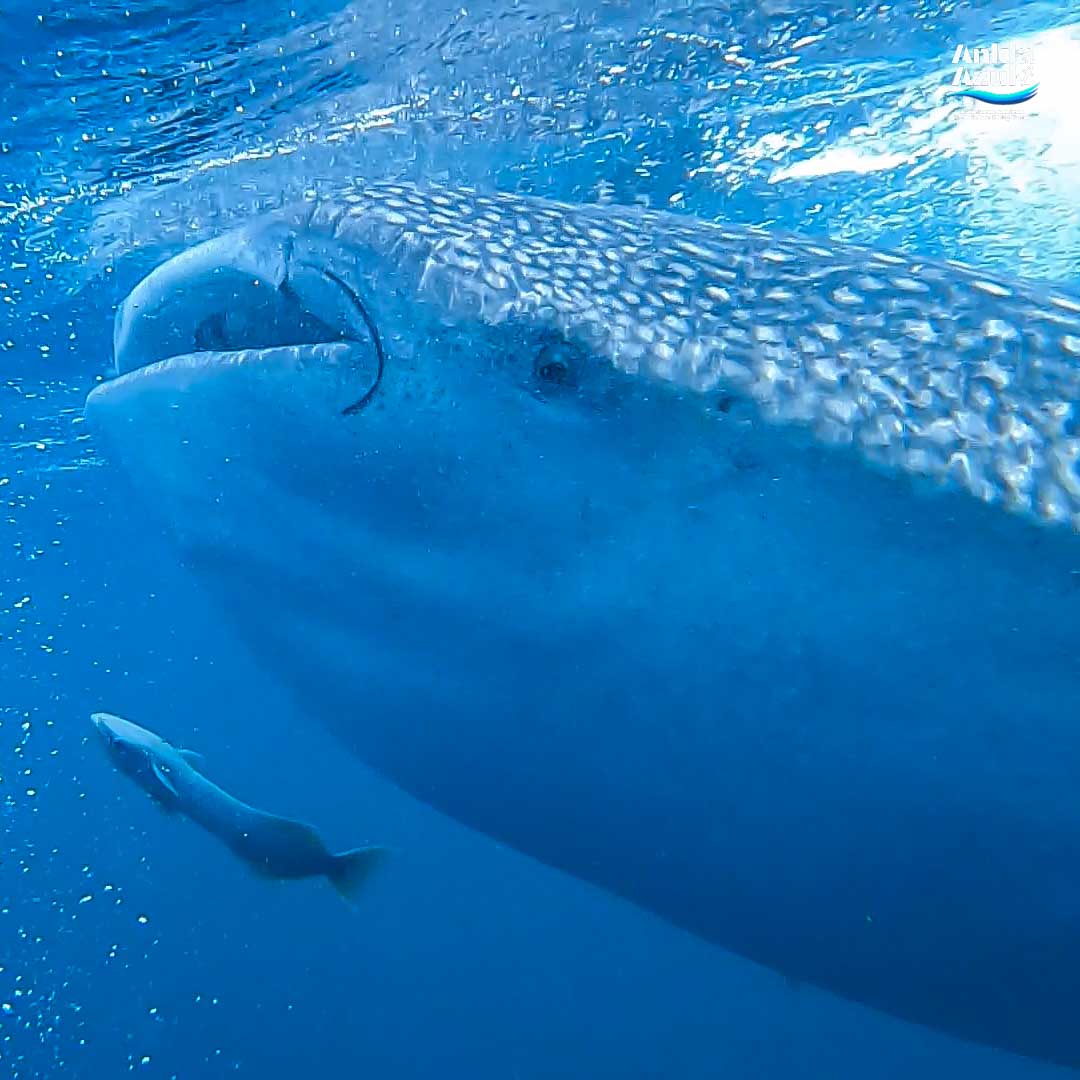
[927,367]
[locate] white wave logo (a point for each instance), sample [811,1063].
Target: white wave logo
[995,74]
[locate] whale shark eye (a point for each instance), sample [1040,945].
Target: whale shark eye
[555,365]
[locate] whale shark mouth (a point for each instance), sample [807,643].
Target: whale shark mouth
[246,307]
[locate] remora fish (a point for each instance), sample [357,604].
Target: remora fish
[273,846]
[702,563]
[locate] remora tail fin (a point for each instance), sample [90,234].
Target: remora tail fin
[350,870]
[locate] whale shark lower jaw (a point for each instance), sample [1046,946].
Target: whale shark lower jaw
[700,562]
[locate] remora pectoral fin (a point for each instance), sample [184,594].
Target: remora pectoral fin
[164,780]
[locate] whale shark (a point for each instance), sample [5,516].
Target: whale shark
[734,572]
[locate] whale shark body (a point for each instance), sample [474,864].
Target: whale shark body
[732,572]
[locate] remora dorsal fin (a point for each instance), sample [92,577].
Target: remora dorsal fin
[196,760]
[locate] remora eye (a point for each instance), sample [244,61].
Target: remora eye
[555,364]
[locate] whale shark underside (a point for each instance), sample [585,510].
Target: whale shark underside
[733,572]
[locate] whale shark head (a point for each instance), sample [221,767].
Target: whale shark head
[733,573]
[330,376]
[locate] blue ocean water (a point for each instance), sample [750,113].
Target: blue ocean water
[128,941]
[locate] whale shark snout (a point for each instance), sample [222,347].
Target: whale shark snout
[730,572]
